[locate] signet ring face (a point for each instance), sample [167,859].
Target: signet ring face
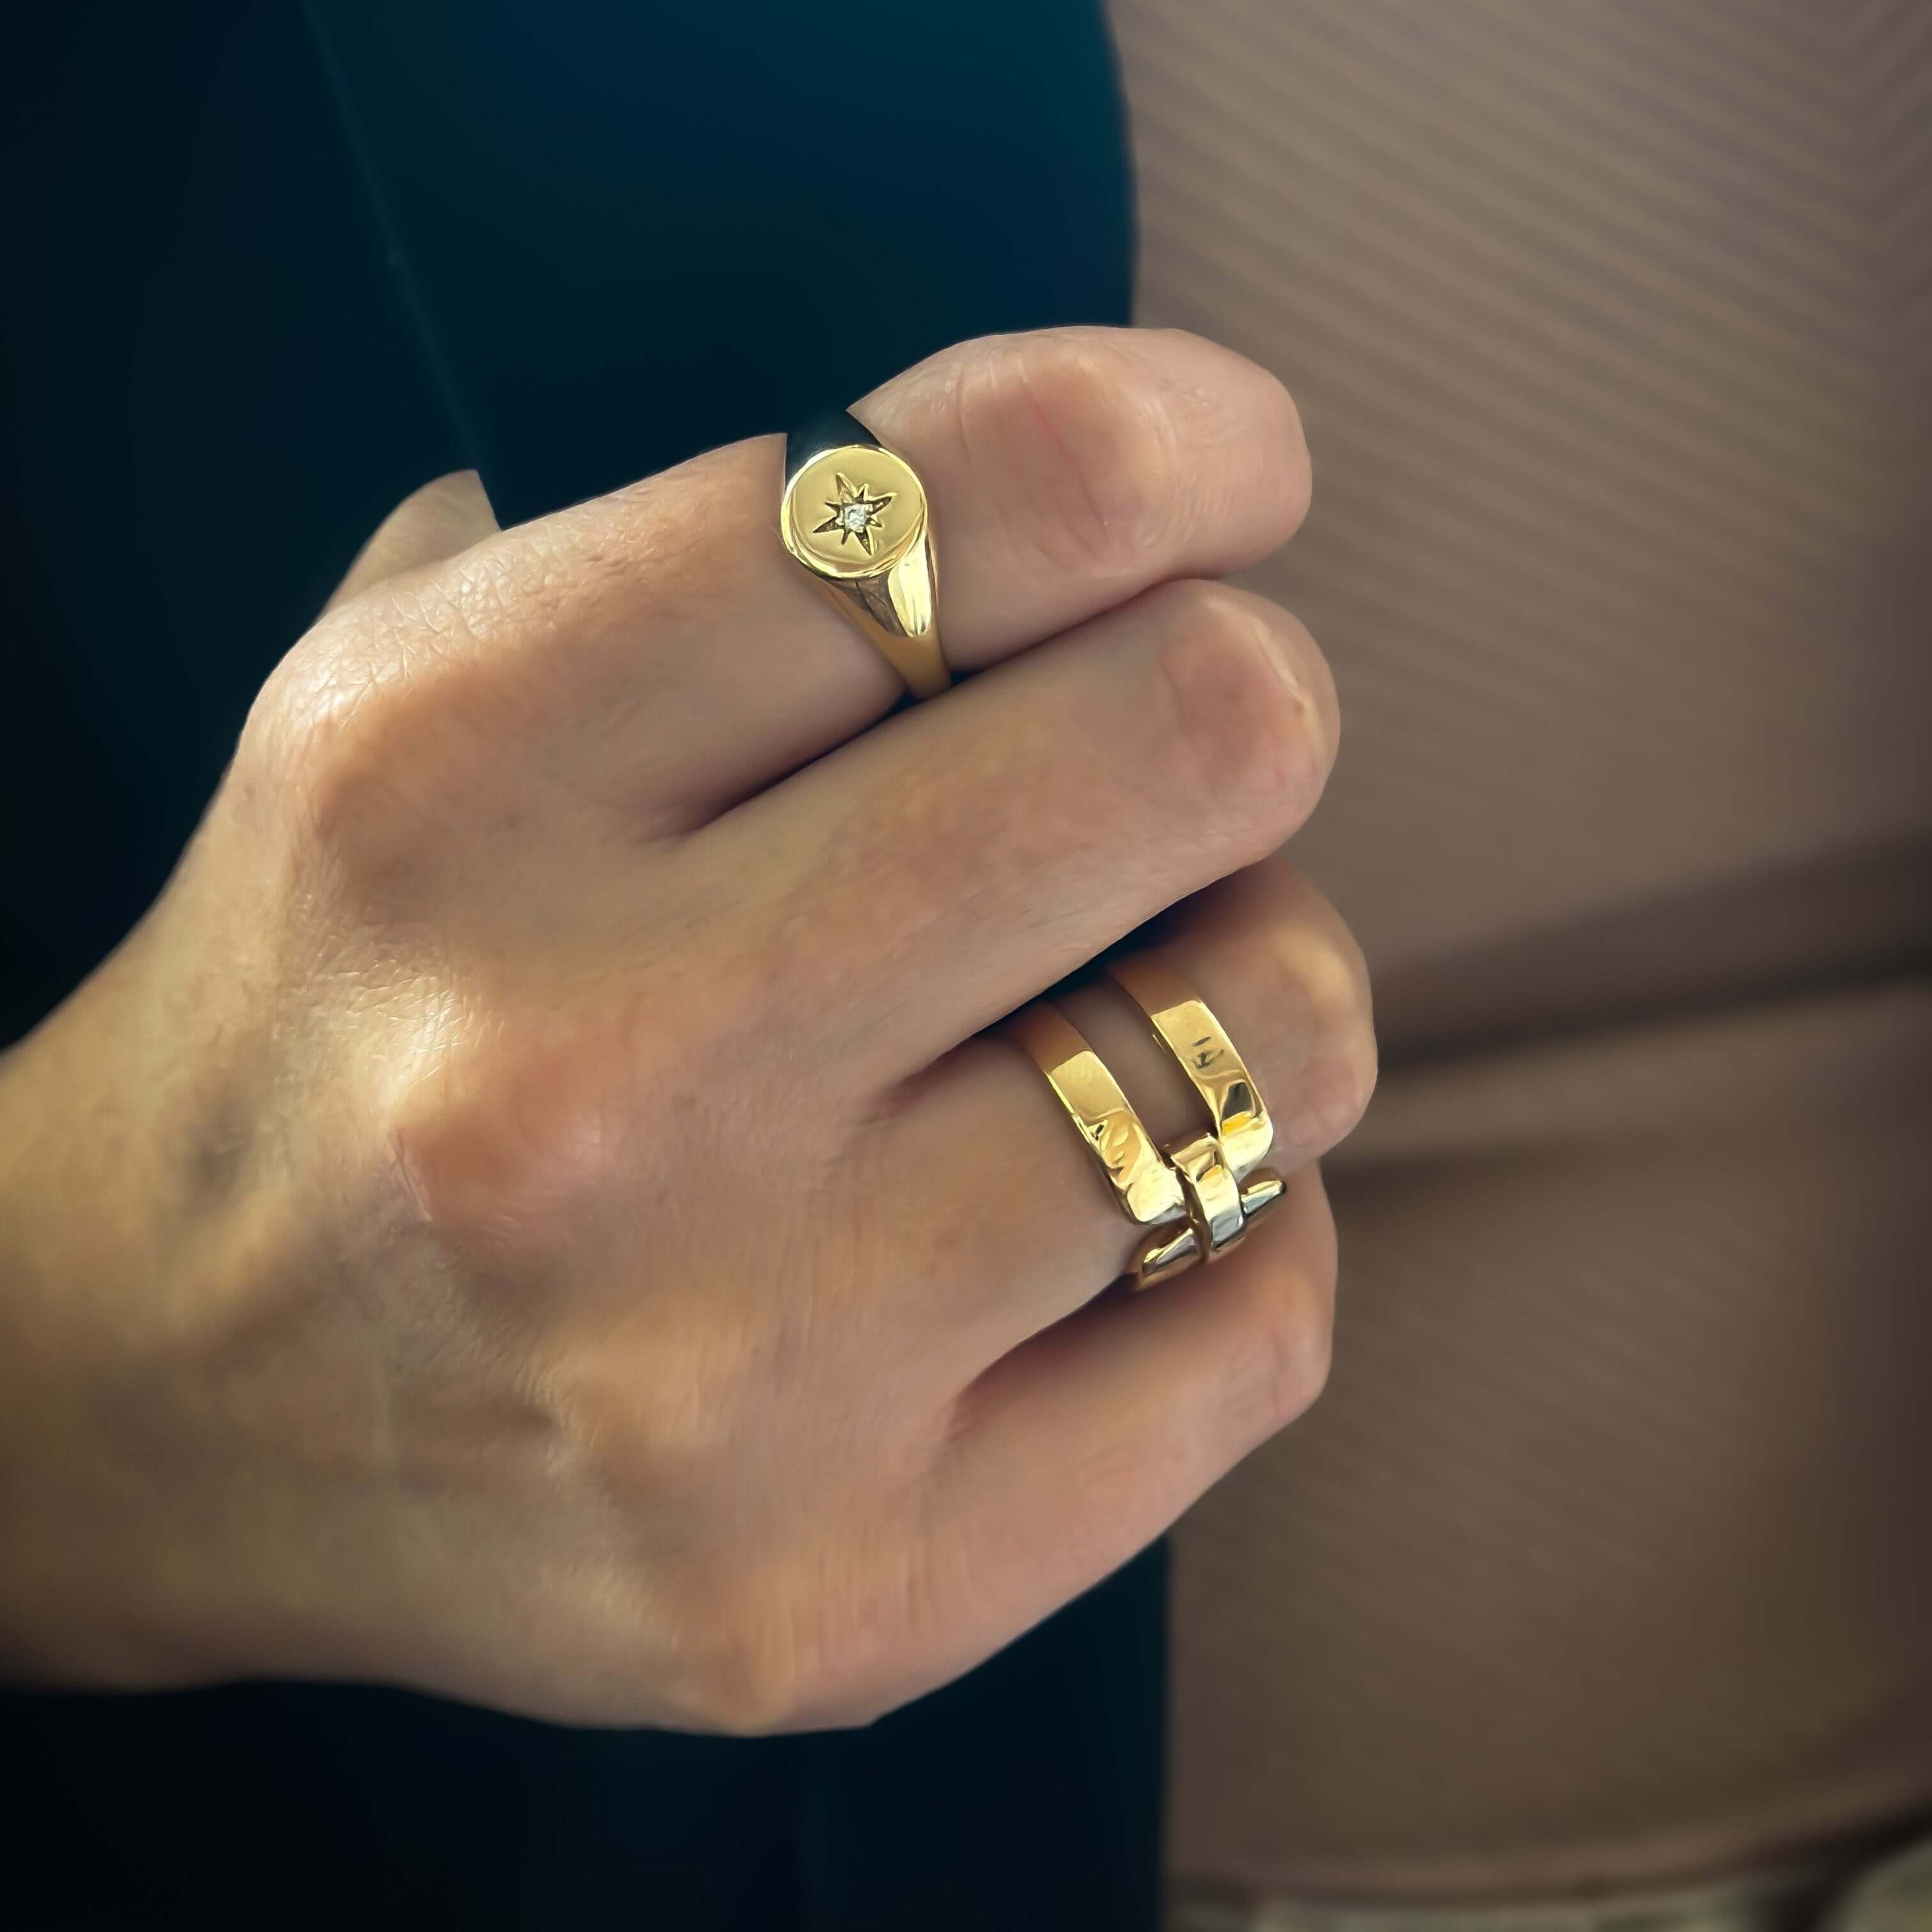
[854,515]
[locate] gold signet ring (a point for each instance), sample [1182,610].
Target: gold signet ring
[855,516]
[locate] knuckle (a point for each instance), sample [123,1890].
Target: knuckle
[499,1143]
[1290,1351]
[830,1633]
[363,741]
[740,1673]
[1360,1066]
[541,1107]
[1246,728]
[349,744]
[1342,1097]
[572,572]
[797,1644]
[1292,475]
[1084,445]
[1319,979]
[399,712]
[1242,425]
[658,1418]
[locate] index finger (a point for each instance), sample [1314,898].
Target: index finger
[1067,471]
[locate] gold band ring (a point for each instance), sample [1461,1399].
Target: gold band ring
[1146,1190]
[1237,1116]
[1191,1196]
[855,516]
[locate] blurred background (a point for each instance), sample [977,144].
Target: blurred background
[1606,1559]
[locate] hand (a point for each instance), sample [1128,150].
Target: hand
[527,1214]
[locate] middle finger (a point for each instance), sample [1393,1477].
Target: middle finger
[934,875]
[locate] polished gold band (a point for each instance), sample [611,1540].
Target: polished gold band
[1200,1045]
[1148,1190]
[1197,1195]
[855,516]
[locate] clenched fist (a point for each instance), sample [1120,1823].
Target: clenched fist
[531,1213]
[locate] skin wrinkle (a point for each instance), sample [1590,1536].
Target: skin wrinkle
[1103,547]
[598,558]
[1250,733]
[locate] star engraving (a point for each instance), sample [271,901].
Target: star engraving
[855,512]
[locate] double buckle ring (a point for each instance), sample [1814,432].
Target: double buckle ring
[1197,1195]
[854,516]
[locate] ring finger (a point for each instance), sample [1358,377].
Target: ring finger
[1018,1202]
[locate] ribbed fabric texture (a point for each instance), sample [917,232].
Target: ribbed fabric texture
[1607,1558]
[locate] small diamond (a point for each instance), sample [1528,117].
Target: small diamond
[855,512]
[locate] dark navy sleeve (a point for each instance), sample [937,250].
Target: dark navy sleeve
[271,268]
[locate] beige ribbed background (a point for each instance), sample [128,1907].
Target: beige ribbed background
[1608,1556]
